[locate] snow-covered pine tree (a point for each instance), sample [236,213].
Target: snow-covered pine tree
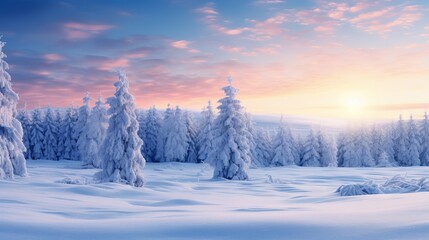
[165,129]
[176,144]
[95,132]
[341,142]
[383,160]
[413,145]
[263,150]
[152,128]
[252,142]
[205,135]
[424,141]
[25,120]
[283,145]
[363,150]
[81,125]
[122,160]
[400,143]
[348,155]
[388,144]
[191,136]
[50,141]
[59,124]
[230,155]
[37,135]
[327,150]
[68,143]
[12,161]
[376,142]
[141,116]
[311,157]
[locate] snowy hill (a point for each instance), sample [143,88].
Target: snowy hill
[180,201]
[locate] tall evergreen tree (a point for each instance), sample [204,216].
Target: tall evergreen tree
[205,135]
[424,141]
[376,142]
[176,144]
[60,144]
[413,145]
[327,150]
[81,126]
[120,151]
[25,120]
[363,150]
[12,161]
[191,138]
[231,154]
[95,132]
[68,142]
[37,135]
[50,141]
[165,129]
[152,128]
[284,148]
[400,143]
[263,150]
[311,156]
[348,156]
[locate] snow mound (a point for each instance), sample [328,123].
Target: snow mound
[397,184]
[76,181]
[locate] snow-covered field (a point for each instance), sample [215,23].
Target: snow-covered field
[181,201]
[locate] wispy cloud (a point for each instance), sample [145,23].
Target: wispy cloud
[78,31]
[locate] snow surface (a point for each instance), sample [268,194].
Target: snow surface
[180,201]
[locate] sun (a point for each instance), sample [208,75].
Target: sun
[354,104]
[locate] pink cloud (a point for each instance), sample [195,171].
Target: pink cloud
[230,48]
[53,57]
[372,15]
[77,31]
[183,44]
[109,65]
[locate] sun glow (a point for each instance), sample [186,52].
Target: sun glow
[354,104]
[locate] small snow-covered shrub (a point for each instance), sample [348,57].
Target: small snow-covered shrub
[397,184]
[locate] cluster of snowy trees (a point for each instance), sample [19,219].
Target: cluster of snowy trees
[404,143]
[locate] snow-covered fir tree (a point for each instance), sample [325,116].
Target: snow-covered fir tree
[50,140]
[252,142]
[205,135]
[383,160]
[347,151]
[12,161]
[230,155]
[81,125]
[37,135]
[263,150]
[363,150]
[311,157]
[122,160]
[166,126]
[388,144]
[95,132]
[176,143]
[25,120]
[191,138]
[424,141]
[141,117]
[59,123]
[68,141]
[152,122]
[341,142]
[400,143]
[413,145]
[376,142]
[327,150]
[283,147]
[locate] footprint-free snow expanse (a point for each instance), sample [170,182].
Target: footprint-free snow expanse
[180,201]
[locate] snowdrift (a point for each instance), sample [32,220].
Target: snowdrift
[397,184]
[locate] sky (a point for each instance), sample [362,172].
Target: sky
[313,58]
